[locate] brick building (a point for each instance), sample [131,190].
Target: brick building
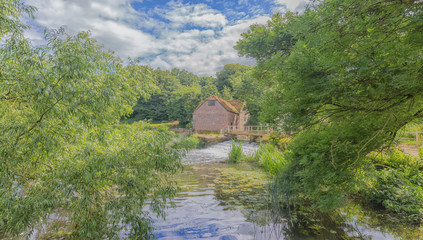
[215,114]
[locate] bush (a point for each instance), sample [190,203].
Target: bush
[396,159]
[397,192]
[396,186]
[280,140]
[187,143]
[235,155]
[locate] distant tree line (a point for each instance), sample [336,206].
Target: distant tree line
[179,92]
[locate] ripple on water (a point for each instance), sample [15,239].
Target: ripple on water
[216,153]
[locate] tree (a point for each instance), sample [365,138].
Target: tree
[182,103]
[223,77]
[208,90]
[60,150]
[348,74]
[186,78]
[155,107]
[249,90]
[226,93]
[207,81]
[10,12]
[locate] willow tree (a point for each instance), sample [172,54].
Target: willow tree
[61,152]
[347,74]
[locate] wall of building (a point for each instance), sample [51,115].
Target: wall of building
[212,118]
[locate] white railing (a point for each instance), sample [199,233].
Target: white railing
[248,129]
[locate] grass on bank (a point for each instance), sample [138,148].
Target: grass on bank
[268,156]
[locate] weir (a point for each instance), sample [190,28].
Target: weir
[252,133]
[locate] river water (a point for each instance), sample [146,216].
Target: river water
[228,202]
[231,202]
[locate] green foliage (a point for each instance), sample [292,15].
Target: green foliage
[207,81]
[395,183]
[280,140]
[60,148]
[235,155]
[156,107]
[187,143]
[224,76]
[152,108]
[264,42]
[227,93]
[249,90]
[414,126]
[270,158]
[395,159]
[186,78]
[182,104]
[348,71]
[208,90]
[179,93]
[10,13]
[322,163]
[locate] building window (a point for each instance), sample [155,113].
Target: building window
[212,102]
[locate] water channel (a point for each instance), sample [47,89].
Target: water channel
[227,202]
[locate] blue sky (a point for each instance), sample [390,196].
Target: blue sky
[197,36]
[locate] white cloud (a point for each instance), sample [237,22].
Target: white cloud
[167,44]
[209,57]
[111,22]
[290,5]
[199,15]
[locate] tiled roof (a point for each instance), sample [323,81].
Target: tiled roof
[237,104]
[231,106]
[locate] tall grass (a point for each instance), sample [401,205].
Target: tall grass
[270,158]
[235,155]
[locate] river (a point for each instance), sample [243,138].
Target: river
[223,201]
[227,202]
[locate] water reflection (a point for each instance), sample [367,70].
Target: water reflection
[202,213]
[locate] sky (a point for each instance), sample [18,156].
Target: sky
[198,36]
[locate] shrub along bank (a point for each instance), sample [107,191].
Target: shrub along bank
[391,182]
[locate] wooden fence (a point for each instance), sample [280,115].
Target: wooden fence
[410,138]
